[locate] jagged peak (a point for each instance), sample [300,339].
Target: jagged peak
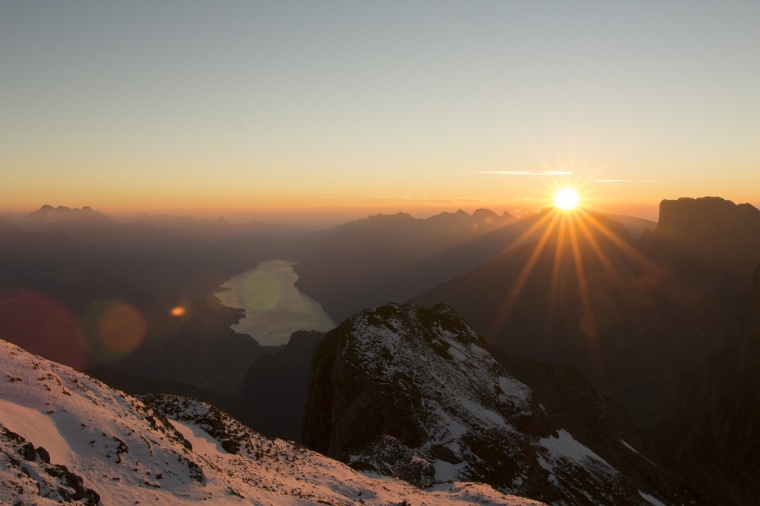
[50,214]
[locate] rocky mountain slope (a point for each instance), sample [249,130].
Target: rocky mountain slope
[67,437]
[275,388]
[410,392]
[631,314]
[715,418]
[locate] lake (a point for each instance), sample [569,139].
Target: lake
[274,307]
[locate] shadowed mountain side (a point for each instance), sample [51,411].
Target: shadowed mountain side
[275,388]
[710,244]
[369,262]
[392,257]
[585,296]
[715,419]
[603,425]
[530,298]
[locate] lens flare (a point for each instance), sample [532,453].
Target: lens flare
[122,328]
[178,311]
[113,329]
[262,291]
[41,326]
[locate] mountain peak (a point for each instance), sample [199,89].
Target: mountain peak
[48,214]
[410,392]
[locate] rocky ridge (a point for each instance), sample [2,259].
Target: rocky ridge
[410,392]
[65,437]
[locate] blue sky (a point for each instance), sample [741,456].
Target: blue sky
[286,108]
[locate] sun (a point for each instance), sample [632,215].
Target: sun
[566,199]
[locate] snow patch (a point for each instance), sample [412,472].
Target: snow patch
[634,450]
[201,442]
[651,499]
[564,445]
[38,429]
[446,471]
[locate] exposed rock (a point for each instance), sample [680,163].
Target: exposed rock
[36,476]
[399,386]
[275,388]
[714,422]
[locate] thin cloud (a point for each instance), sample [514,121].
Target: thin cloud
[625,180]
[527,172]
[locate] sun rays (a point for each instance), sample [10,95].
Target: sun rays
[578,254]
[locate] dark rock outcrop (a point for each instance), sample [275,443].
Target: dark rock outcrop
[275,388]
[53,482]
[411,392]
[714,423]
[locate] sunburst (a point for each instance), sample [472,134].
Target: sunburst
[567,199]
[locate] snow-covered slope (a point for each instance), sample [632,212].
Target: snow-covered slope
[67,437]
[410,392]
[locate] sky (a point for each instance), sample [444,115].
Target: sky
[304,110]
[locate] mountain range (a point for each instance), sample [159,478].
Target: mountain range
[572,358]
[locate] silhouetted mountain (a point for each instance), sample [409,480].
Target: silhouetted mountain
[392,257]
[274,391]
[710,244]
[629,314]
[715,419]
[48,215]
[410,392]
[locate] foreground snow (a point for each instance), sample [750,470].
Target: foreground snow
[65,436]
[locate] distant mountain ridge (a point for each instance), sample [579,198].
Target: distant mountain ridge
[395,257]
[385,257]
[48,215]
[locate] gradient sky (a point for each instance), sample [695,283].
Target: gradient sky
[285,109]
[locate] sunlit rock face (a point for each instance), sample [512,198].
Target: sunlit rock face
[410,392]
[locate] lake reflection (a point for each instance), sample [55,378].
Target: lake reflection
[274,307]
